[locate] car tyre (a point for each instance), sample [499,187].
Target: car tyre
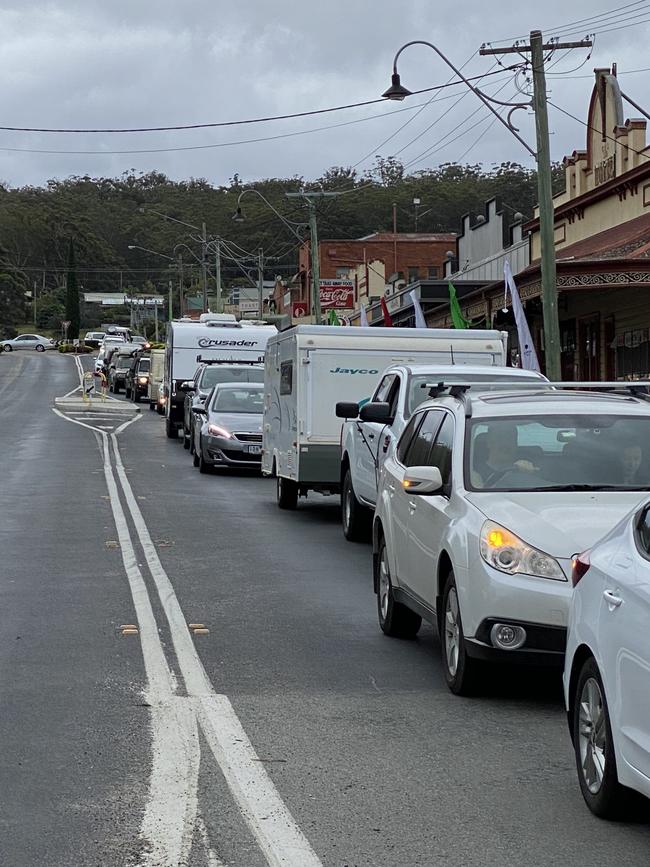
[8,347]
[204,466]
[395,619]
[127,393]
[39,347]
[152,406]
[287,493]
[461,671]
[594,748]
[170,429]
[356,518]
[186,439]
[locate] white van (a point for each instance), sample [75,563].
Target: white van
[156,373]
[310,368]
[214,337]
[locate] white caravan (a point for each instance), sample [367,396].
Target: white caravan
[310,368]
[215,337]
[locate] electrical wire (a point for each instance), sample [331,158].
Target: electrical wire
[594,129]
[614,29]
[223,123]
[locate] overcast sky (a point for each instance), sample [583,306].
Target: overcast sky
[113,63]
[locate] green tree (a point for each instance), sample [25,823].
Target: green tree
[72,312]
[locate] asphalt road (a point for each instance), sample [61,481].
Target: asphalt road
[350,743]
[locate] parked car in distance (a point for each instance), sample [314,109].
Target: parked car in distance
[118,367]
[229,428]
[136,385]
[371,429]
[28,341]
[607,664]
[208,375]
[94,338]
[481,507]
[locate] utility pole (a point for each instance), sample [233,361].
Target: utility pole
[180,284]
[204,266]
[260,278]
[416,206]
[34,301]
[217,262]
[170,314]
[536,49]
[310,197]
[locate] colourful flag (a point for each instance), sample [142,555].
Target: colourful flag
[363,317]
[420,321]
[384,309]
[332,318]
[457,317]
[527,352]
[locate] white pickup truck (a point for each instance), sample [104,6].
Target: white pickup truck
[371,429]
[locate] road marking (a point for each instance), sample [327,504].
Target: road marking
[276,831]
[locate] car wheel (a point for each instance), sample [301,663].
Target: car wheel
[460,669]
[39,347]
[160,409]
[186,439]
[395,619]
[170,429]
[191,447]
[152,406]
[8,347]
[204,466]
[127,393]
[594,747]
[287,493]
[356,519]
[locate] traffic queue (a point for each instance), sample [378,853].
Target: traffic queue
[510,512]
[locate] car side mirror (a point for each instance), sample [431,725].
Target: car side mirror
[347,409]
[187,386]
[422,480]
[199,410]
[377,412]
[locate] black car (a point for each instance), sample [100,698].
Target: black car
[136,384]
[119,366]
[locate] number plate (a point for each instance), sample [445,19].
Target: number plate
[254,450]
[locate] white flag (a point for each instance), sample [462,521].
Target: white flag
[526,346]
[363,318]
[420,321]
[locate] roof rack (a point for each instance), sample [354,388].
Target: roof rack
[639,389]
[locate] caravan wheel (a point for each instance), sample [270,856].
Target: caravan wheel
[287,493]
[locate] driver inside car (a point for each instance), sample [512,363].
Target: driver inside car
[502,457]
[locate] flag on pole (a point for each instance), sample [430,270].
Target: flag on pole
[363,317]
[384,309]
[332,318]
[526,346]
[420,321]
[457,317]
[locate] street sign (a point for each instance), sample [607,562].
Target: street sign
[249,306]
[299,309]
[65,323]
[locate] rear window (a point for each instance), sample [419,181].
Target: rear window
[417,393]
[214,375]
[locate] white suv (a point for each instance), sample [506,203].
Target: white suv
[481,507]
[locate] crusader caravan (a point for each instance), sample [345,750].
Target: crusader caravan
[309,368]
[215,336]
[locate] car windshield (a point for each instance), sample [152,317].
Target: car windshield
[418,393]
[144,365]
[238,400]
[560,453]
[214,375]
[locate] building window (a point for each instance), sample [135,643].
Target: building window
[432,272]
[414,274]
[343,273]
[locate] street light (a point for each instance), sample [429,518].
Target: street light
[238,216]
[162,256]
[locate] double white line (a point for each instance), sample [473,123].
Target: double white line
[171,814]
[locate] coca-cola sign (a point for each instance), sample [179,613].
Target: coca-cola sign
[336,295]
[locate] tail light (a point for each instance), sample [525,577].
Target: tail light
[580,566]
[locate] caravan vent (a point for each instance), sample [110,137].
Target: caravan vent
[218,319]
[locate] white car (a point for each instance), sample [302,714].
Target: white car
[607,667]
[371,429]
[481,507]
[28,341]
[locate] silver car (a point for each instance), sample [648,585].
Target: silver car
[28,341]
[229,428]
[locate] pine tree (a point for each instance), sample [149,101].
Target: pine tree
[72,312]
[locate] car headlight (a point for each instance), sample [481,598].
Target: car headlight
[217,431]
[143,380]
[506,552]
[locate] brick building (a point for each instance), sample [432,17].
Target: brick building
[408,255]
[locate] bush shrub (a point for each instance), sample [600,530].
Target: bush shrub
[70,347]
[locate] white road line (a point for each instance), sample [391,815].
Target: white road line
[277,833]
[126,424]
[172,803]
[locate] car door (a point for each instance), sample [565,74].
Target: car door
[624,643]
[366,435]
[415,454]
[429,515]
[25,341]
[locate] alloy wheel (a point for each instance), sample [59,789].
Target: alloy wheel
[592,735]
[452,632]
[347,507]
[384,583]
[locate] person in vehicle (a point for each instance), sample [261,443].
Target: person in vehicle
[631,461]
[500,457]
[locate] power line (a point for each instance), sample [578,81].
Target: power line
[613,29]
[223,123]
[594,129]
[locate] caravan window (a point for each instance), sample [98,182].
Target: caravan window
[286,377]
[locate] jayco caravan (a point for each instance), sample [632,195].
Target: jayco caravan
[214,337]
[309,368]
